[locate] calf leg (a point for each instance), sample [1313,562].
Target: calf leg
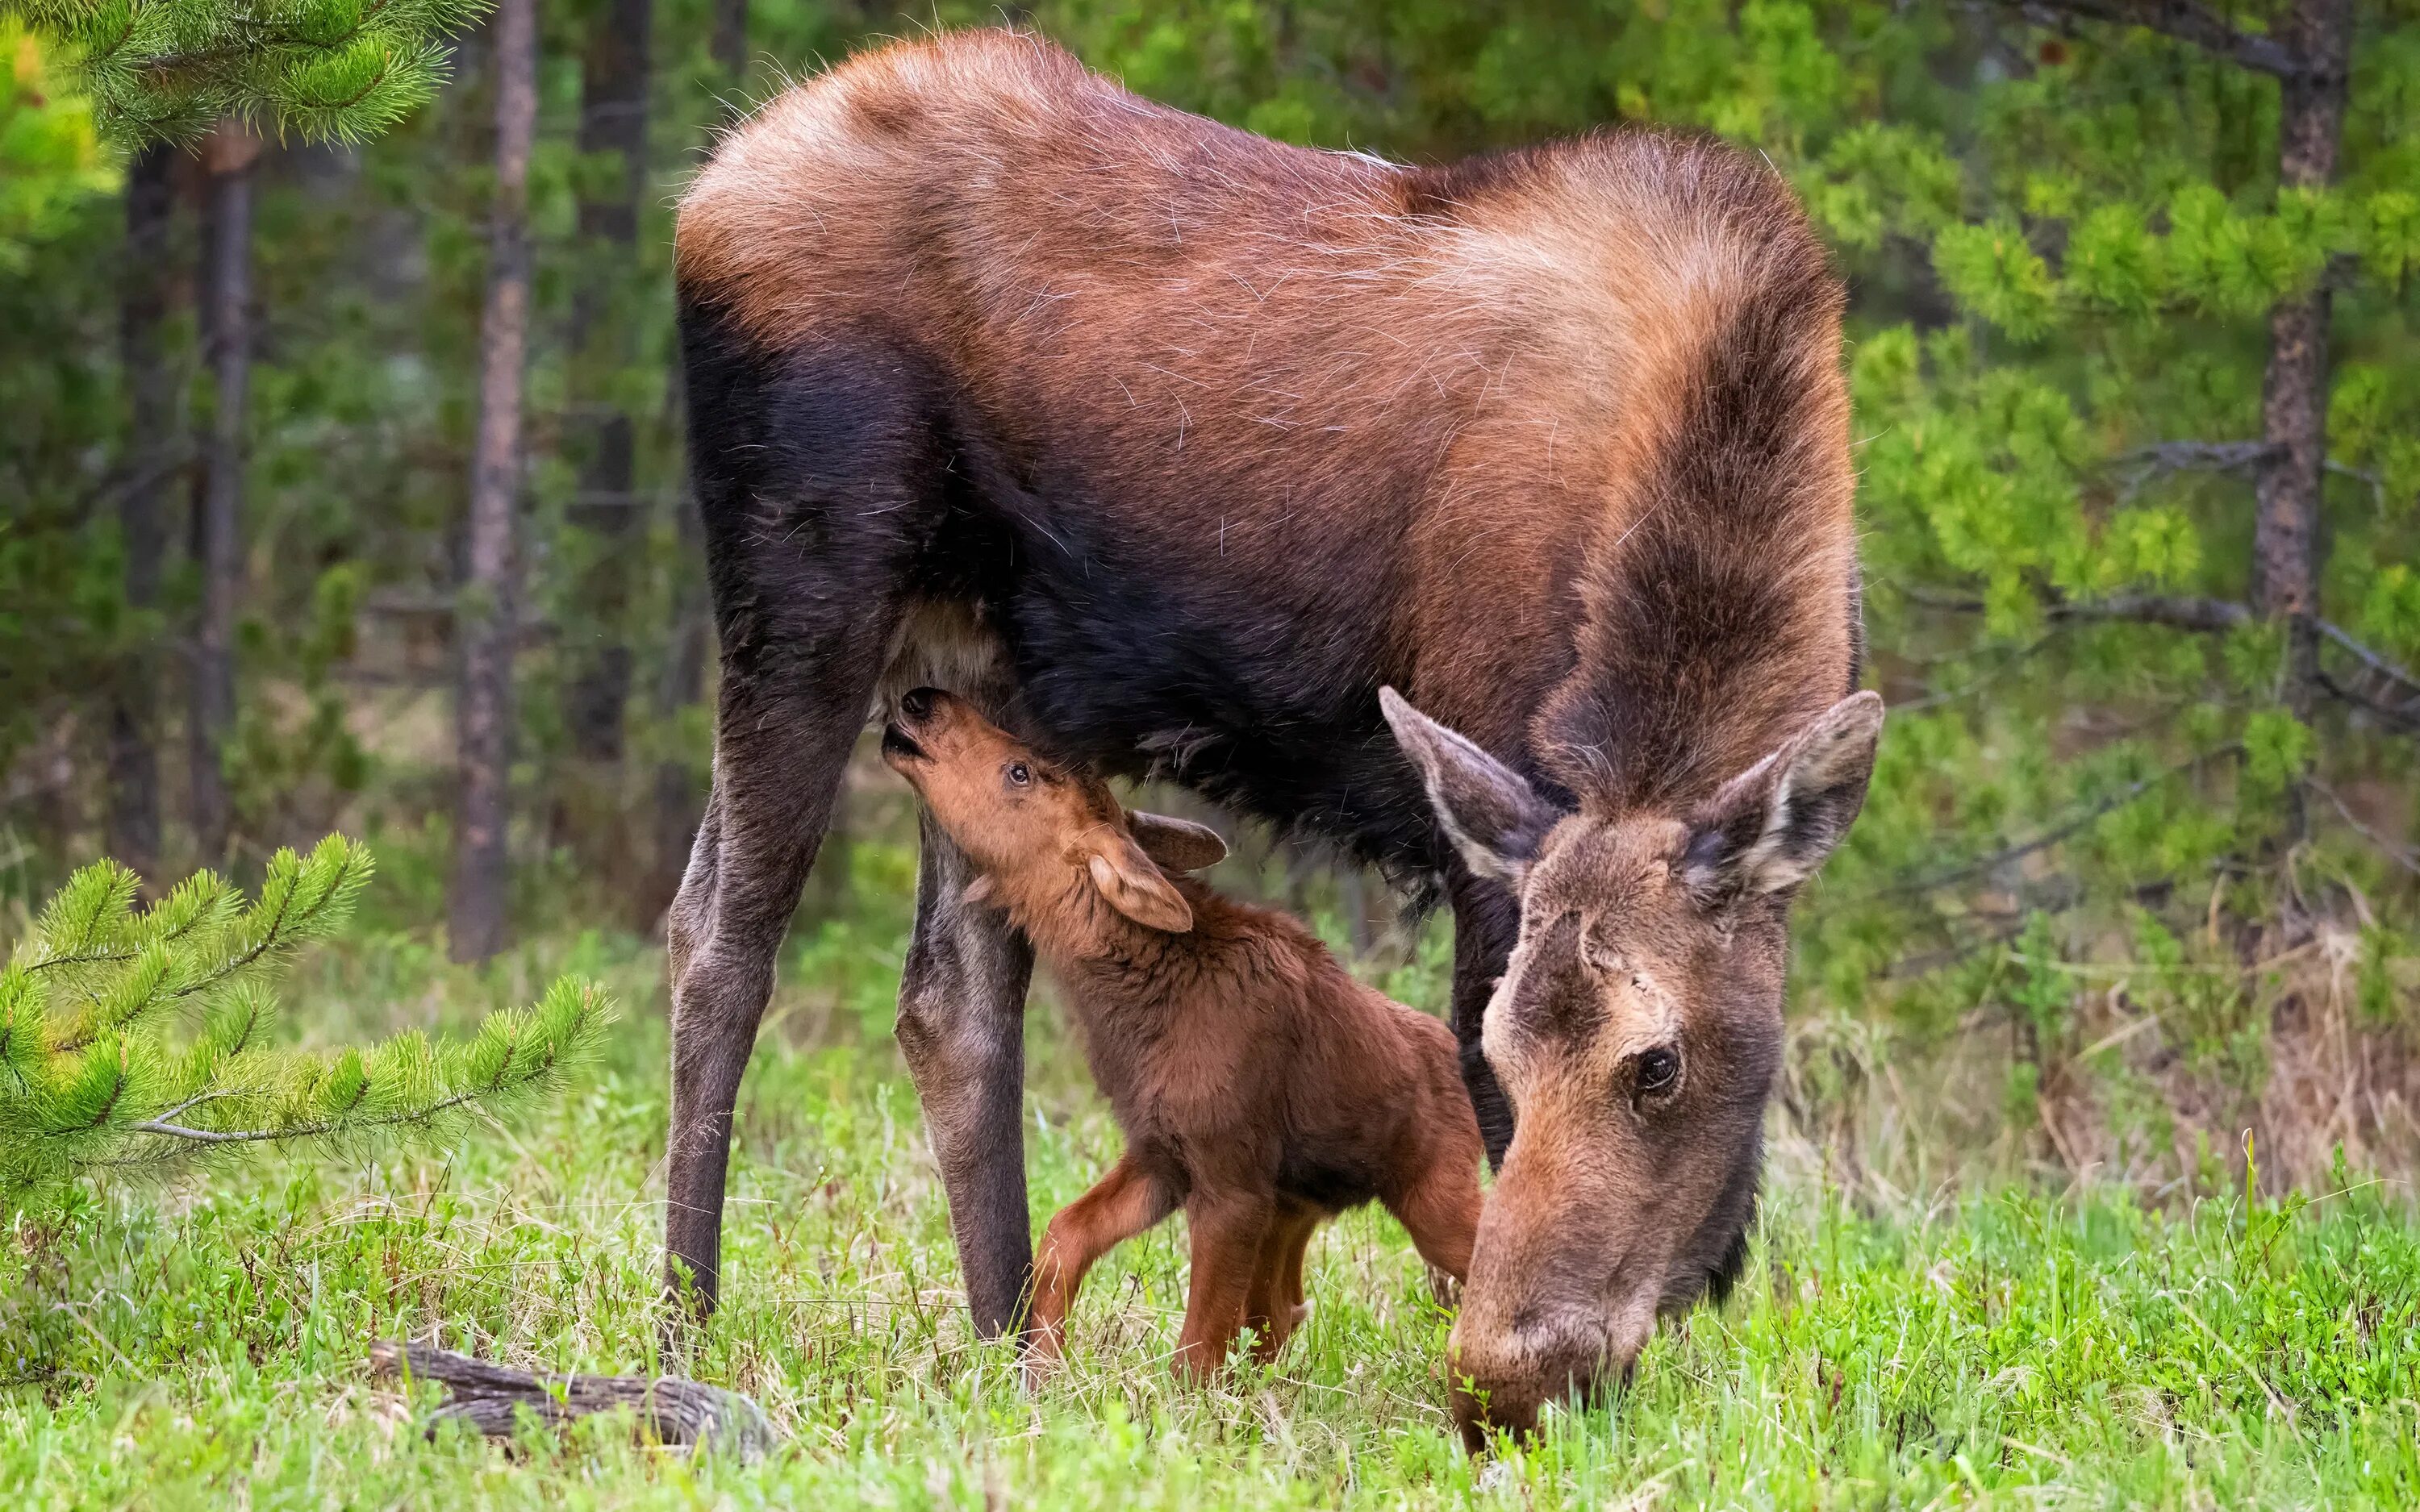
[1290,1286]
[1274,1307]
[1227,1232]
[1120,1206]
[1439,1209]
[1442,1216]
[1486,925]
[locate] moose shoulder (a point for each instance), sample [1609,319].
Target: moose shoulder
[1172,446]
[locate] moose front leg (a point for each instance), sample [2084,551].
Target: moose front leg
[962,1030]
[1486,925]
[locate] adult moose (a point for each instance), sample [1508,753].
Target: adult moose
[1173,447]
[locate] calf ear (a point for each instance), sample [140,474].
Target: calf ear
[1178,844]
[1493,816]
[1137,888]
[1772,825]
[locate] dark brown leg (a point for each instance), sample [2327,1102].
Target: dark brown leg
[1120,1206]
[778,754]
[1486,923]
[962,1031]
[816,487]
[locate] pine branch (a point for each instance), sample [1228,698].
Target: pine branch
[2215,616]
[2181,612]
[2146,465]
[2207,615]
[170,69]
[2401,856]
[97,1086]
[2403,680]
[332,877]
[2404,717]
[2183,19]
[1983,864]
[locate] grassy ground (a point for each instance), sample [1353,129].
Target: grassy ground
[205,1345]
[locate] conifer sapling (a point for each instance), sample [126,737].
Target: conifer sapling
[139,1038]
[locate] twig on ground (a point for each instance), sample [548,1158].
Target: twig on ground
[490,1397]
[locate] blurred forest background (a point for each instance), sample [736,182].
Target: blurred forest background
[287,543]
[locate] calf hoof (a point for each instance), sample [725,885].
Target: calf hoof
[1444,1288]
[1038,1363]
[1195,1367]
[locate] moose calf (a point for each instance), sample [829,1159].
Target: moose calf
[1259,1086]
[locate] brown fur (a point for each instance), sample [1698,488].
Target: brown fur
[1214,438]
[1553,353]
[1259,1084]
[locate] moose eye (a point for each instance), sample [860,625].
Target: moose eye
[1656,1072]
[1018,775]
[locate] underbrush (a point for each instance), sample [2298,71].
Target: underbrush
[2005,1343]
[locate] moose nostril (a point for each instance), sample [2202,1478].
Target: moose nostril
[916,703]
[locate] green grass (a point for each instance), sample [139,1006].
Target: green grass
[205,1346]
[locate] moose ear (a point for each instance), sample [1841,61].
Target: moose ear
[1178,844]
[1136,888]
[1493,816]
[1772,825]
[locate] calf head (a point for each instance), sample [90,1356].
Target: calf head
[1637,1029]
[1045,839]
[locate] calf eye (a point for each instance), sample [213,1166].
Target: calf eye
[1657,1071]
[1017,775]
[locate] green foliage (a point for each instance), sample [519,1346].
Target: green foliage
[49,158]
[1984,1347]
[2060,247]
[141,1038]
[325,69]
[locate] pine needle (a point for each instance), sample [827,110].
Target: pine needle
[139,1038]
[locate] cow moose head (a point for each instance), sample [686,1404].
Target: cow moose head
[1637,1029]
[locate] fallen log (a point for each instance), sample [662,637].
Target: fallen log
[490,1397]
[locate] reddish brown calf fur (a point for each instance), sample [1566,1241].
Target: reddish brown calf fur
[1259,1085]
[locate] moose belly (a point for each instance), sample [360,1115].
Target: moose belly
[1258,695]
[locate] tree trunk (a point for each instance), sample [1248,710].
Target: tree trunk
[228,156]
[485,618]
[606,514]
[150,455]
[2294,391]
[730,47]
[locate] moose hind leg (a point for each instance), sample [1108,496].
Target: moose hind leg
[1120,1205]
[819,484]
[1276,1308]
[781,745]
